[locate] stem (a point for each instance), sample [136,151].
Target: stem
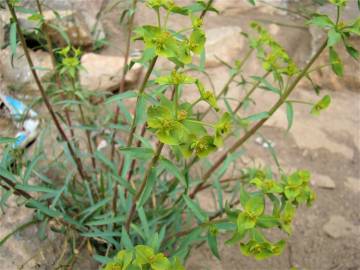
[153,162]
[88,137]
[251,91]
[247,135]
[79,165]
[206,9]
[12,185]
[133,163]
[132,132]
[230,80]
[141,91]
[44,29]
[124,72]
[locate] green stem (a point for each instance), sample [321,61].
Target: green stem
[258,125]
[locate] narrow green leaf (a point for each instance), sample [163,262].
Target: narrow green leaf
[336,63]
[257,117]
[42,208]
[321,105]
[122,96]
[333,37]
[125,239]
[213,245]
[6,140]
[172,169]
[195,209]
[13,40]
[289,114]
[138,152]
[148,188]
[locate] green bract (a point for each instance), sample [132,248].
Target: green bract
[143,257]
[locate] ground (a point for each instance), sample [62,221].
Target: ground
[327,235]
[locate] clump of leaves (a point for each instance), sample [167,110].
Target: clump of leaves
[141,201]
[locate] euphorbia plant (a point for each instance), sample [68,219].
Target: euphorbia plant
[141,201]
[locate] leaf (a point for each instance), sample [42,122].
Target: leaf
[245,222]
[257,117]
[195,209]
[266,221]
[42,208]
[213,245]
[173,169]
[321,20]
[13,41]
[252,2]
[160,262]
[336,63]
[7,140]
[333,37]
[126,95]
[144,254]
[125,239]
[289,114]
[255,205]
[266,85]
[145,195]
[244,196]
[138,152]
[321,105]
[354,53]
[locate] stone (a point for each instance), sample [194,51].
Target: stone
[224,43]
[323,181]
[232,7]
[82,28]
[103,72]
[17,74]
[353,184]
[325,78]
[338,226]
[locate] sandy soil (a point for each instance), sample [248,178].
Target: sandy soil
[326,236]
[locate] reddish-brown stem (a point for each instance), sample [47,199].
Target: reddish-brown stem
[259,124]
[138,144]
[88,137]
[12,185]
[48,105]
[150,167]
[132,131]
[206,9]
[123,77]
[44,29]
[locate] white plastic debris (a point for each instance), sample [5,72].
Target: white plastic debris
[264,143]
[24,119]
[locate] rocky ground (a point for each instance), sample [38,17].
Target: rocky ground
[327,235]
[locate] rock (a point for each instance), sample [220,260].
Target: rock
[223,42]
[326,79]
[81,27]
[103,73]
[231,7]
[17,74]
[323,181]
[353,184]
[338,226]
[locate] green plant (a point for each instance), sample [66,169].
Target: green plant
[142,197]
